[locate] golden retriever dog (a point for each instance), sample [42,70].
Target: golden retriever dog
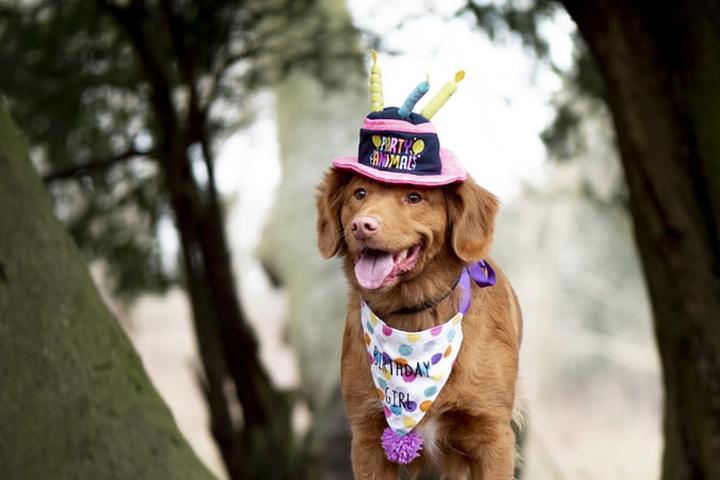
[430,234]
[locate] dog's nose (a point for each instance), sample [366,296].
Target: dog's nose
[365,226]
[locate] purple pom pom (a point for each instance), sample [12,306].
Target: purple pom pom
[401,448]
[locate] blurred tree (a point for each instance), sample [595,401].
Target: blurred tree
[122,101]
[659,69]
[661,65]
[76,402]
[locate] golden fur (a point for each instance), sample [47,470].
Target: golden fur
[468,429]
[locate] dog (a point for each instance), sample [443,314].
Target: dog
[403,248]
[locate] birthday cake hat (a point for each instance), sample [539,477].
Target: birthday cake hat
[402,147]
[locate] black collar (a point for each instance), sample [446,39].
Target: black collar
[426,305]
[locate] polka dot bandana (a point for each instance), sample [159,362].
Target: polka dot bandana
[409,369]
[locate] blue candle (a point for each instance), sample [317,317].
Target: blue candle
[413,98]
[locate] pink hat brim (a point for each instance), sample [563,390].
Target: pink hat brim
[452,171]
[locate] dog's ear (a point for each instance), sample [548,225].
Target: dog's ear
[471,219]
[329,203]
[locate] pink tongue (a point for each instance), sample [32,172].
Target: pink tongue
[372,268]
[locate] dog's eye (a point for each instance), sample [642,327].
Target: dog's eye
[414,197]
[360,193]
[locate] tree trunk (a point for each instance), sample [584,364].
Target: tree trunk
[260,445]
[661,65]
[74,399]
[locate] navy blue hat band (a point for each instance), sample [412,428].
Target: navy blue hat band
[414,153]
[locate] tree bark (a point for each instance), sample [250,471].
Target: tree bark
[661,65]
[75,401]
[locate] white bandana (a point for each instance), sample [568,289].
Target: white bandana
[409,368]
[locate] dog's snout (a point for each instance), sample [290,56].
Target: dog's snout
[365,226]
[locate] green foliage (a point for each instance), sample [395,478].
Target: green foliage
[82,85]
[520,18]
[562,137]
[557,136]
[525,19]
[585,75]
[118,225]
[73,78]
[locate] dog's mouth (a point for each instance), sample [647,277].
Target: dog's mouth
[375,268]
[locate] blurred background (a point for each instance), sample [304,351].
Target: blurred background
[181,143]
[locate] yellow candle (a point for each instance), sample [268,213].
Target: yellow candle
[376,95]
[442,96]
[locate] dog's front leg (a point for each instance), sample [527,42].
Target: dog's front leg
[493,458]
[368,458]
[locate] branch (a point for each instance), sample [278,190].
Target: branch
[220,71]
[95,166]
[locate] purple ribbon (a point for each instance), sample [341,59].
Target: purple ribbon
[482,274]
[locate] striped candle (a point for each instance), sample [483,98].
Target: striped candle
[415,96]
[376,94]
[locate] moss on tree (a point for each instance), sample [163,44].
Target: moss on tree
[75,402]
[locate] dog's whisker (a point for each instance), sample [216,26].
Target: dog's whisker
[340,238]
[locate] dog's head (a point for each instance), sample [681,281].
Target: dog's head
[391,233]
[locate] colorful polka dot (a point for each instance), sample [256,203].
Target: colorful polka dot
[425,406]
[369,327]
[429,346]
[395,409]
[430,391]
[381,383]
[448,351]
[436,331]
[436,358]
[401,361]
[405,350]
[387,412]
[410,406]
[409,378]
[373,318]
[380,394]
[413,337]
[451,335]
[409,422]
[387,331]
[367,339]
